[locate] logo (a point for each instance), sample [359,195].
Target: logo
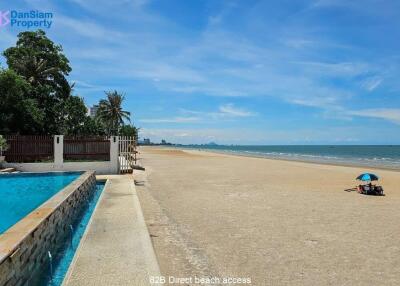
[4,18]
[26,19]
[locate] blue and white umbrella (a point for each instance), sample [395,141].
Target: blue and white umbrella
[367,177]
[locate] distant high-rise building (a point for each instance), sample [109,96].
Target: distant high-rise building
[92,111]
[145,141]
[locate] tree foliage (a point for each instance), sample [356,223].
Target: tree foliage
[40,62]
[36,97]
[44,68]
[18,112]
[110,112]
[129,130]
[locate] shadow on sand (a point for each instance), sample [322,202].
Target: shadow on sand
[370,194]
[139,183]
[351,190]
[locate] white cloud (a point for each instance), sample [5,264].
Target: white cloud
[87,29]
[167,72]
[97,4]
[170,120]
[371,83]
[322,135]
[336,3]
[299,43]
[225,112]
[202,135]
[390,114]
[335,69]
[88,86]
[231,110]
[79,83]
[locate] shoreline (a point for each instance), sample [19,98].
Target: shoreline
[249,155]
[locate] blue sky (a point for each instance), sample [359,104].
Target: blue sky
[237,72]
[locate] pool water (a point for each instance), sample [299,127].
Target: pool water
[22,193]
[55,270]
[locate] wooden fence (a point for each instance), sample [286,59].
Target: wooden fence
[29,148]
[93,148]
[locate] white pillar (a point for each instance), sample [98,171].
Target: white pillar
[58,150]
[114,144]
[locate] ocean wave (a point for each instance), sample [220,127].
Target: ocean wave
[345,158]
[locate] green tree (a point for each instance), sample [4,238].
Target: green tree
[40,62]
[129,130]
[45,68]
[18,112]
[36,97]
[92,126]
[72,116]
[111,114]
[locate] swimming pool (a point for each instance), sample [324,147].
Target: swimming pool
[52,204]
[21,193]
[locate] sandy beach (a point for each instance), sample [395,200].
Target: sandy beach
[275,222]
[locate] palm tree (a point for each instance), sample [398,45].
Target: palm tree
[110,112]
[38,71]
[35,70]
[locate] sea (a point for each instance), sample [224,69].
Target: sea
[381,156]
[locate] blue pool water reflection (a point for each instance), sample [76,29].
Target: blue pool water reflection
[21,193]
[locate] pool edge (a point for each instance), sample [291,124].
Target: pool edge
[24,245]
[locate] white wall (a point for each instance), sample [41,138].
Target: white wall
[114,154]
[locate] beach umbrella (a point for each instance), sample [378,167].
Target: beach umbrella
[367,177]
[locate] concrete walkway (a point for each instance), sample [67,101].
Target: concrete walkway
[116,248]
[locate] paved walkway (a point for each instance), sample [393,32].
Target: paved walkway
[116,248]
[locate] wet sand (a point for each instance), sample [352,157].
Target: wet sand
[275,222]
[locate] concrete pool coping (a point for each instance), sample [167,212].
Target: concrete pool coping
[116,248]
[12,238]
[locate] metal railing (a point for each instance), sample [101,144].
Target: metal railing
[126,154]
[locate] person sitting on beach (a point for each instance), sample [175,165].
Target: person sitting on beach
[379,190]
[367,188]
